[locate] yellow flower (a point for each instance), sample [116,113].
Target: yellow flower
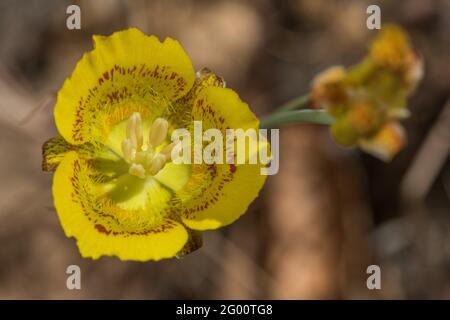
[115,188]
[368,99]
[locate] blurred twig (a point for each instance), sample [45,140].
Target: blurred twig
[429,159]
[45,102]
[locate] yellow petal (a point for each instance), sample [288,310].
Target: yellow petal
[103,230]
[386,143]
[180,115]
[126,72]
[222,196]
[218,194]
[221,108]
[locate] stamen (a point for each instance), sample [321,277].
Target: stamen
[148,159]
[167,151]
[134,130]
[158,132]
[146,162]
[127,150]
[137,170]
[131,130]
[157,164]
[138,131]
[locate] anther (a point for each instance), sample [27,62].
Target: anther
[131,135]
[134,130]
[138,131]
[127,150]
[158,132]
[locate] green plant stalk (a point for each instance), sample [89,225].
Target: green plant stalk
[294,104]
[277,119]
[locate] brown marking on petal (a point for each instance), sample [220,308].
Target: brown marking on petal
[141,69]
[131,70]
[233,168]
[100,228]
[89,104]
[159,229]
[53,151]
[155,72]
[81,196]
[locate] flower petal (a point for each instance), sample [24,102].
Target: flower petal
[386,143]
[181,112]
[218,194]
[103,230]
[392,48]
[227,191]
[126,72]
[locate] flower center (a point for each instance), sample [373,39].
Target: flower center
[144,160]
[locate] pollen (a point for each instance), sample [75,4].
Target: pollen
[144,161]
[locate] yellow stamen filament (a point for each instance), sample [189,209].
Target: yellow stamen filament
[127,150]
[148,157]
[157,164]
[167,151]
[137,170]
[146,162]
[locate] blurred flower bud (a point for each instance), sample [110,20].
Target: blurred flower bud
[392,49]
[366,99]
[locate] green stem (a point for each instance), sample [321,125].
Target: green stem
[294,104]
[298,116]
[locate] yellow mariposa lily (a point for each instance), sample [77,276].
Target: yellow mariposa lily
[368,100]
[115,187]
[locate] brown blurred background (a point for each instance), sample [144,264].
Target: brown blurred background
[317,225]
